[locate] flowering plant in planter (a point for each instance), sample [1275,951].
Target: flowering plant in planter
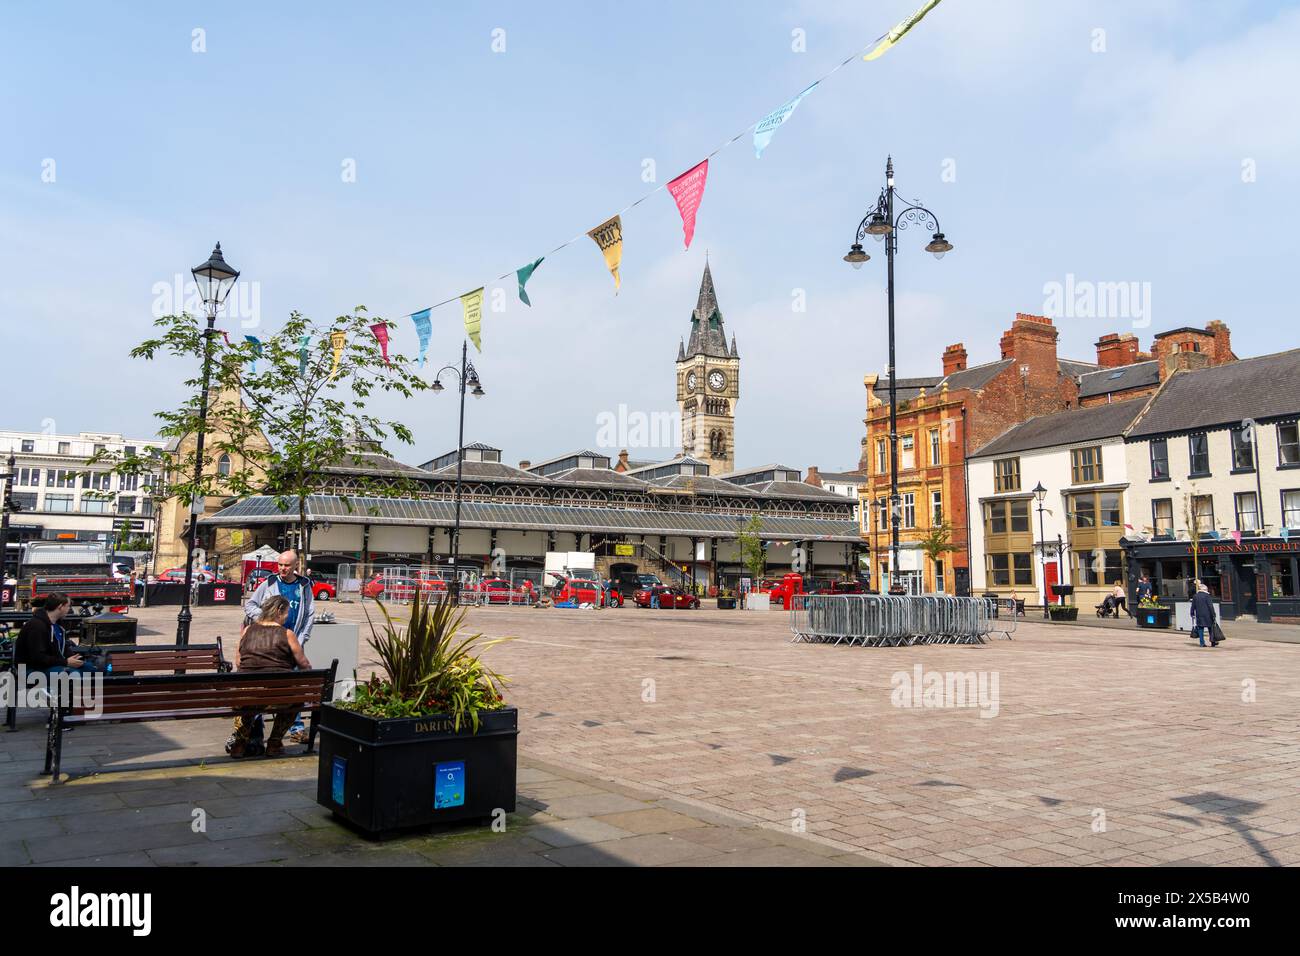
[428,668]
[1150,602]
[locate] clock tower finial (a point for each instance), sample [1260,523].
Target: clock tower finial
[708,383]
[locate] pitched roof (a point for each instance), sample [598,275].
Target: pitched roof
[1075,368]
[1260,388]
[1102,381]
[708,334]
[487,470]
[1069,427]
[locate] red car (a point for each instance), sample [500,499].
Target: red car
[501,591]
[664,596]
[842,587]
[578,590]
[320,590]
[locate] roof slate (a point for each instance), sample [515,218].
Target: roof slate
[1064,428]
[1261,388]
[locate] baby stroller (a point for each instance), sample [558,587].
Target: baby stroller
[1108,607]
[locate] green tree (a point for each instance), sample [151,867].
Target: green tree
[937,542]
[311,412]
[752,554]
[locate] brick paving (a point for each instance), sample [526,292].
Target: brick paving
[706,738]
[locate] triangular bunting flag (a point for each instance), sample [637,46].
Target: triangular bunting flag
[304,352]
[524,274]
[770,123]
[609,237]
[257,351]
[687,191]
[423,328]
[380,330]
[900,30]
[472,304]
[337,341]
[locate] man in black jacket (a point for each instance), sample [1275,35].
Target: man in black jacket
[43,646]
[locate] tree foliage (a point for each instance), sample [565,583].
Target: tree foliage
[311,414]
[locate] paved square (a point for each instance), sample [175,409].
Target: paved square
[707,738]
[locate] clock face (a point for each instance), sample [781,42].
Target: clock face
[717,381]
[690,382]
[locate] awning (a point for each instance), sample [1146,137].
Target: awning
[336,509]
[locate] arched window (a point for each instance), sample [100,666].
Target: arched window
[223,466]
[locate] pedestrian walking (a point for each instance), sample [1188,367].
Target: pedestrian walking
[1203,616]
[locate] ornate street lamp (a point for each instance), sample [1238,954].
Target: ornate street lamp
[1041,494]
[214,278]
[883,223]
[466,376]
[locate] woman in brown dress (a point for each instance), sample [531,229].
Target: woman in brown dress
[267,645]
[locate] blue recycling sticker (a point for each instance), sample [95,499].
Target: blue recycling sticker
[338,778]
[449,785]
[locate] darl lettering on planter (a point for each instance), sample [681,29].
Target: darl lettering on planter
[443,726]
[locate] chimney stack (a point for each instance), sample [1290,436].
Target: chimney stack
[1031,341]
[622,461]
[813,478]
[524,465]
[1222,342]
[1115,350]
[954,359]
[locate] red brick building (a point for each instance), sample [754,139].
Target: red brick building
[1126,372]
[942,419]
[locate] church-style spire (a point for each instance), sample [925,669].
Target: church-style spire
[708,335]
[681,350]
[734,353]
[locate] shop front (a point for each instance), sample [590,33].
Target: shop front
[1257,577]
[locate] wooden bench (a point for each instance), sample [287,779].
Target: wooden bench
[128,659]
[135,699]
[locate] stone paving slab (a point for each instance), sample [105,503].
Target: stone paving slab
[777,752]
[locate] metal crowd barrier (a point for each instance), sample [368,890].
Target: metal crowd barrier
[886,620]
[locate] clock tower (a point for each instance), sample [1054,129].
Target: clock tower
[708,385]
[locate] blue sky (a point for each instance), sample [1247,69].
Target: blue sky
[1122,164]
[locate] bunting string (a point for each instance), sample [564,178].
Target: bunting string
[687,189]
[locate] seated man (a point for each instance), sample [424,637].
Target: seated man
[42,644]
[267,645]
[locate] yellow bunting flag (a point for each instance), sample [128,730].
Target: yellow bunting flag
[896,34]
[337,341]
[472,302]
[609,236]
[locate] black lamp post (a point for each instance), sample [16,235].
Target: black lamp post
[6,505]
[466,375]
[882,223]
[214,279]
[1041,494]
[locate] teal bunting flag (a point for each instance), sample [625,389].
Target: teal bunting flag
[304,346]
[524,275]
[257,351]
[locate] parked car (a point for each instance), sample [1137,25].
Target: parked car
[665,597]
[578,590]
[613,596]
[501,591]
[841,587]
[177,576]
[321,590]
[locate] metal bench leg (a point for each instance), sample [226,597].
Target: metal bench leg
[11,717]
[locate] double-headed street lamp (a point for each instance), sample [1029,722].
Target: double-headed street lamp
[883,223]
[1041,494]
[466,375]
[214,279]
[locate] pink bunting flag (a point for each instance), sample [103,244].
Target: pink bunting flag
[381,333]
[1236,537]
[688,191]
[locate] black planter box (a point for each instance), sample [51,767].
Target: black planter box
[1153,617]
[726,604]
[1059,612]
[383,776]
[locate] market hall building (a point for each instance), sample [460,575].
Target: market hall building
[1215,459]
[670,518]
